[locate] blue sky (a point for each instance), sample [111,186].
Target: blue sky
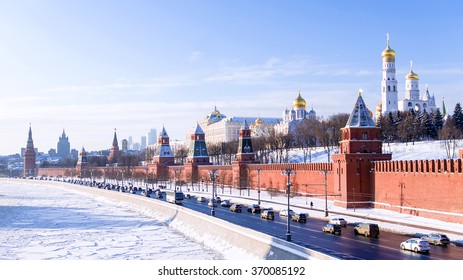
[92,66]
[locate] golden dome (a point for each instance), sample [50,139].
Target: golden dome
[299,102]
[388,54]
[258,121]
[411,76]
[379,107]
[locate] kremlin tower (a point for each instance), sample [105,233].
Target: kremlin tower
[30,168]
[114,152]
[360,146]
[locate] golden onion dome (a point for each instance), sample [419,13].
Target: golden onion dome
[299,102]
[215,112]
[411,76]
[388,54]
[379,107]
[258,121]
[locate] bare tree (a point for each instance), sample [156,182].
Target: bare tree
[449,134]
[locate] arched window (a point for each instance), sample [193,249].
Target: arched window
[365,135]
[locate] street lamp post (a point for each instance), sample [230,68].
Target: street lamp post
[214,175]
[258,186]
[175,179]
[326,193]
[288,172]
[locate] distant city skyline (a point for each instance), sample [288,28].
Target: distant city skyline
[92,66]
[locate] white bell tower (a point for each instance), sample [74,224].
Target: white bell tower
[389,98]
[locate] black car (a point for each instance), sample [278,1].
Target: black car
[254,208]
[236,208]
[300,217]
[436,239]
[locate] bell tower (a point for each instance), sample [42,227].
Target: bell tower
[389,96]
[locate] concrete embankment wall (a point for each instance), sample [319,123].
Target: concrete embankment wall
[232,241]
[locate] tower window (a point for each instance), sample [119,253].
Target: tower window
[365,135]
[394,88]
[388,88]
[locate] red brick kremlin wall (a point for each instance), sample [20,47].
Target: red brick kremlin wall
[426,188]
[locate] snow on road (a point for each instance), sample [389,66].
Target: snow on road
[42,222]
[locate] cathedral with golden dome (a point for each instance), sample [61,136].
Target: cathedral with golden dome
[389,92]
[292,117]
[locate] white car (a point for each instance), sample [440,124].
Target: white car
[416,245]
[284,212]
[338,221]
[201,199]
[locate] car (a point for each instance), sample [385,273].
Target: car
[225,203]
[268,215]
[332,228]
[254,208]
[158,195]
[201,199]
[436,239]
[144,193]
[300,217]
[212,203]
[284,212]
[236,208]
[416,245]
[188,196]
[367,229]
[338,221]
[218,199]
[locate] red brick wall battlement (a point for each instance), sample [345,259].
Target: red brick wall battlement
[420,166]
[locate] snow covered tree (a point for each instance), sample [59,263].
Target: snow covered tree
[428,130]
[458,117]
[437,119]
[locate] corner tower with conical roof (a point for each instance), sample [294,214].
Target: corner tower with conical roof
[389,96]
[360,146]
[30,169]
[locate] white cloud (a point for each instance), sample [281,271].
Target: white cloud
[196,55]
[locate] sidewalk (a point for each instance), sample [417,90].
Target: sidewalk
[387,220]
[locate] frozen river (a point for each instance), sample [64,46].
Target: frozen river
[42,222]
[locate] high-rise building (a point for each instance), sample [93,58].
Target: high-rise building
[64,147]
[130,143]
[143,143]
[124,145]
[151,137]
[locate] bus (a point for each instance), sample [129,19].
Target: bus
[174,197]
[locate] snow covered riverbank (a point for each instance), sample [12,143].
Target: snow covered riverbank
[44,222]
